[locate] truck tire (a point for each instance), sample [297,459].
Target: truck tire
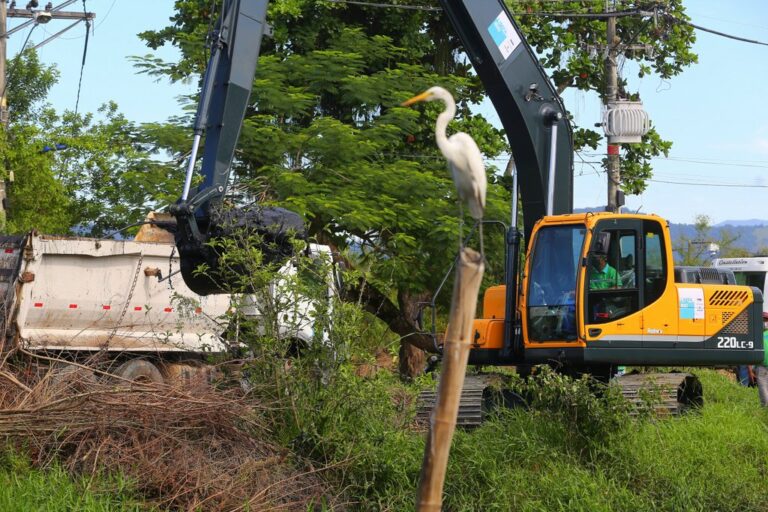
[186,374]
[70,377]
[139,370]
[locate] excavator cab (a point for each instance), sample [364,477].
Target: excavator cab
[601,289]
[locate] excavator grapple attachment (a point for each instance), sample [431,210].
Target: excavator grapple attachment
[205,245]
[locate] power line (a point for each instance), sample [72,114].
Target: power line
[85,53]
[390,6]
[97,25]
[763,27]
[712,31]
[566,14]
[592,15]
[105,16]
[759,164]
[713,162]
[699,184]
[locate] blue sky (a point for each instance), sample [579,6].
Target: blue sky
[715,112]
[108,73]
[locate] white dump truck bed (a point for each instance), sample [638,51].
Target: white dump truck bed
[116,295]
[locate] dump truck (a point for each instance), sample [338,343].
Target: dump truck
[73,297]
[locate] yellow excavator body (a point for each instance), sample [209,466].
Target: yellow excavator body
[633,310]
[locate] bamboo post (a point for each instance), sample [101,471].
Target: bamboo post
[458,338]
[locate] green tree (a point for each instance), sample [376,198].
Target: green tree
[35,198]
[566,45]
[326,138]
[696,251]
[105,175]
[112,172]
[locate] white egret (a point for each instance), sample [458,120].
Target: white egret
[464,158]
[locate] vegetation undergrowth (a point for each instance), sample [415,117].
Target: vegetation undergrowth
[572,450]
[336,406]
[578,445]
[23,488]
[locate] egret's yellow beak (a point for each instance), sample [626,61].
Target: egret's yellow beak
[421,97]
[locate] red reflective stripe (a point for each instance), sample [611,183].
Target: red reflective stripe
[106,307]
[9,251]
[73,306]
[613,149]
[168,310]
[137,308]
[38,304]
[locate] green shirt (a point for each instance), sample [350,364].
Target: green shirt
[603,279]
[765,348]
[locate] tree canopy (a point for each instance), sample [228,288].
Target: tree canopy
[572,45]
[324,134]
[87,173]
[325,137]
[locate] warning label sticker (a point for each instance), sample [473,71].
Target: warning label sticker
[504,34]
[691,303]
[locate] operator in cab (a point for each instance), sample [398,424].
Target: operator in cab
[602,275]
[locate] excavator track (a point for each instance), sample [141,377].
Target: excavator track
[471,404]
[667,394]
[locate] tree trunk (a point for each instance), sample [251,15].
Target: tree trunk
[401,319]
[412,360]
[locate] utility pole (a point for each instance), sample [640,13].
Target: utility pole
[611,95]
[36,17]
[624,121]
[3,103]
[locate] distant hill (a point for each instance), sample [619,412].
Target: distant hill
[748,222]
[752,233]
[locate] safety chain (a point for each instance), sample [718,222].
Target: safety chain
[127,303]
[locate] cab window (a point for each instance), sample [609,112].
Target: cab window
[611,275]
[655,263]
[551,294]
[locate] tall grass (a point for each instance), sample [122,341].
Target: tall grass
[25,489]
[581,453]
[572,450]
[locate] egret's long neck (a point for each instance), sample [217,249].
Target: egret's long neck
[442,123]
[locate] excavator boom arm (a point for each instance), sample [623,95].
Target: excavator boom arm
[530,110]
[525,99]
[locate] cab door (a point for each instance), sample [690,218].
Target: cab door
[660,309]
[613,285]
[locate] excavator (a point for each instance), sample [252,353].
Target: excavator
[562,308]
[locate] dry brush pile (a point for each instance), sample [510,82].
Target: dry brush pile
[195,448]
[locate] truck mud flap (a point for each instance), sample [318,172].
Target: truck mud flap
[11,258]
